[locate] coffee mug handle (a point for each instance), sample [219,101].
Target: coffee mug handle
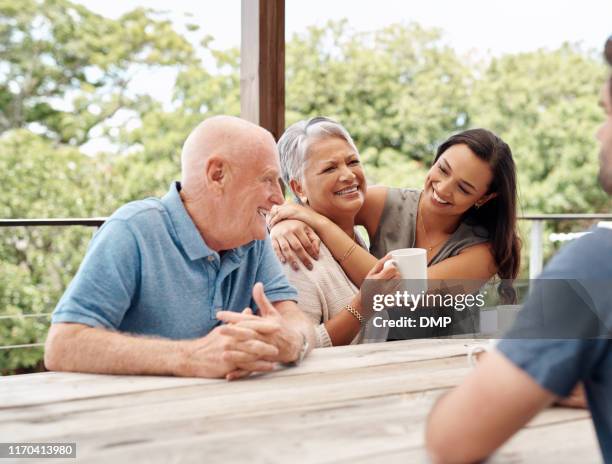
[475,351]
[391,262]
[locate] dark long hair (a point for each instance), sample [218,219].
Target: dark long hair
[498,215]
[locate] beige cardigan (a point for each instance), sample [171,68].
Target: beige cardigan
[322,292]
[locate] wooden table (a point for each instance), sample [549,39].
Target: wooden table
[365,403]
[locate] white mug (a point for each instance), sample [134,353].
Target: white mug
[412,266]
[411,262]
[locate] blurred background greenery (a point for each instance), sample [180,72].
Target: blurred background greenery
[66,71]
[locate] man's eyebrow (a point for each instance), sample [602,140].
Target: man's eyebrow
[271,172]
[450,168]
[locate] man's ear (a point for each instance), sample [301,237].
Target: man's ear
[216,172]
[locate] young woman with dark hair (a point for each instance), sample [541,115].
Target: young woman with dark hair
[497,216]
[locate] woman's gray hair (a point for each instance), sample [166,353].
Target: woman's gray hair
[294,143]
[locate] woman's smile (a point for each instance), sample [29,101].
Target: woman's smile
[350,193]
[438,201]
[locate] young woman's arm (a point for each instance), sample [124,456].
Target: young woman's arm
[473,263]
[290,235]
[465,273]
[295,241]
[355,261]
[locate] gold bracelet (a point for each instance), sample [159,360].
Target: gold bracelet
[355,313]
[348,252]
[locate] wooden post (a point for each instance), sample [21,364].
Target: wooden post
[262,64]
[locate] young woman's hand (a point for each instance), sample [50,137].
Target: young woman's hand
[292,241]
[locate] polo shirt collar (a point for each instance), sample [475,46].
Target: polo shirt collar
[188,235]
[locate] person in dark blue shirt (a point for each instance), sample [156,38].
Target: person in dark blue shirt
[523,376]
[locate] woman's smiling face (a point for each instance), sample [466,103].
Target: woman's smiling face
[333,181]
[456,181]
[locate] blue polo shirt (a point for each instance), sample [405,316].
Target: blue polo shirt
[148,271]
[559,364]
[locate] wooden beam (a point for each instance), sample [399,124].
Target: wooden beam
[272,65]
[262,64]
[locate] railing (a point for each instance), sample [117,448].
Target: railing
[87,222]
[536,255]
[90,222]
[536,239]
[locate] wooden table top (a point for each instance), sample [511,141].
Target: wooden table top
[364,403]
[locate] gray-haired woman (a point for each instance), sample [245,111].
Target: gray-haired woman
[321,166]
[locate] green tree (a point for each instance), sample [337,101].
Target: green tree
[154,147]
[544,105]
[398,90]
[66,69]
[42,179]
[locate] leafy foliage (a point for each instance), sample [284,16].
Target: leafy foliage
[67,69]
[544,105]
[397,90]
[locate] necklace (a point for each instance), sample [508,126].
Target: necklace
[428,247]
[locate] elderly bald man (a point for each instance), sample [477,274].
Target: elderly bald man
[161,275]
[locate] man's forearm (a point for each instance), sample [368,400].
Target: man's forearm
[79,348]
[495,381]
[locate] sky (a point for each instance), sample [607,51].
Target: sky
[496,25]
[480,27]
